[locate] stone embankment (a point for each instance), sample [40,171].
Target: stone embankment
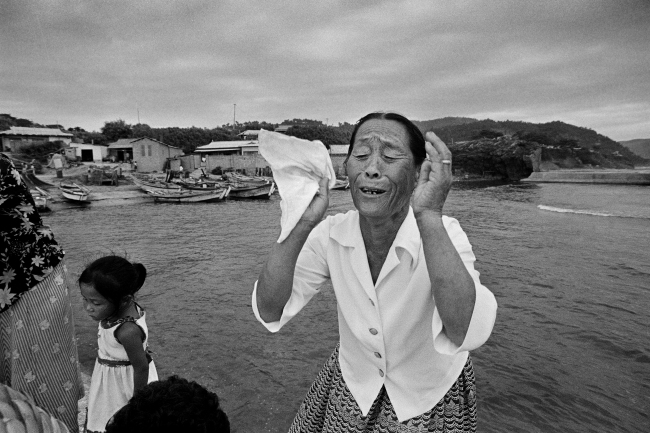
[621,177]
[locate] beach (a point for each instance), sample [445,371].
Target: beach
[567,263]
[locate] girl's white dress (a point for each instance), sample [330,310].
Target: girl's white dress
[111,386]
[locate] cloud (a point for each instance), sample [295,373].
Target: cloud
[187,63]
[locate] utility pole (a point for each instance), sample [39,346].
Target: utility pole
[234,115]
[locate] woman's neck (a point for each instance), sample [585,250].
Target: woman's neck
[378,236]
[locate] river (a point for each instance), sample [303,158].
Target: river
[569,265]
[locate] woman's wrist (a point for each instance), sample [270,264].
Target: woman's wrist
[427,215]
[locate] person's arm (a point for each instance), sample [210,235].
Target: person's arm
[276,279]
[452,286]
[130,336]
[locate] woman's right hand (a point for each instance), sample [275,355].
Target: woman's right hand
[316,210]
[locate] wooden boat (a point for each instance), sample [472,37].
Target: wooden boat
[202,185]
[74,192]
[41,198]
[189,196]
[252,191]
[341,184]
[149,184]
[249,187]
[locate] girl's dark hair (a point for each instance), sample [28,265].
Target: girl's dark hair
[114,277]
[416,139]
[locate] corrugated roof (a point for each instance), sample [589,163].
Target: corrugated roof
[250,132]
[127,143]
[123,143]
[43,132]
[226,145]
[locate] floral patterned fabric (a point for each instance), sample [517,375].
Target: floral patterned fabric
[28,251]
[38,351]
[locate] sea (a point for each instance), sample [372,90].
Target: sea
[569,265]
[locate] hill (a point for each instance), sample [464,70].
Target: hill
[554,134]
[640,146]
[428,125]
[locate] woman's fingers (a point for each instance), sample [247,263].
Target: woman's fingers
[437,151]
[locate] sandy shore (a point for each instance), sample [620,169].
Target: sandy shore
[126,192]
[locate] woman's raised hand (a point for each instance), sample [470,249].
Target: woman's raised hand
[435,177]
[318,206]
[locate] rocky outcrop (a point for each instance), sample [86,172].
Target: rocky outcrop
[514,159]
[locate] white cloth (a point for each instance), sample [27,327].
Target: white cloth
[298,165]
[112,387]
[391,333]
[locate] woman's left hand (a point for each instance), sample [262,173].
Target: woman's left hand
[434,180]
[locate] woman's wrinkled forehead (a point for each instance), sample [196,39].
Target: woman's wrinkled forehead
[382,130]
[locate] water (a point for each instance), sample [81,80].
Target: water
[569,351]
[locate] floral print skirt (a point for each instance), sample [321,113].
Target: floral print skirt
[330,407]
[38,351]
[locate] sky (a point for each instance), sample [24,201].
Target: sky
[187,63]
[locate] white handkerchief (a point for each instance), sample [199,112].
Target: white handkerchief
[298,165]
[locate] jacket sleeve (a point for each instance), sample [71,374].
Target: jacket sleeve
[485,306]
[310,275]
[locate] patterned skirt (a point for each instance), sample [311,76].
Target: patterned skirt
[38,351]
[329,407]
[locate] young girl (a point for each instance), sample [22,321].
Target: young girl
[123,364]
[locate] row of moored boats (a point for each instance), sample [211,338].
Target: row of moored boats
[190,190]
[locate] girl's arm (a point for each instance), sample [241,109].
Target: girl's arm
[130,336]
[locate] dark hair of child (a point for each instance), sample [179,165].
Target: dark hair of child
[114,277]
[171,405]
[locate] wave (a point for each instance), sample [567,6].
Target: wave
[586,212]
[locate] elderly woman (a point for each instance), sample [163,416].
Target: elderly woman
[410,303]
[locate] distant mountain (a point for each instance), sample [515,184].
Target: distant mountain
[640,146]
[428,125]
[553,134]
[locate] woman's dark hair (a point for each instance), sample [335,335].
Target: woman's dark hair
[416,139]
[114,277]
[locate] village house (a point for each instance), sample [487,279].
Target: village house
[18,137]
[121,150]
[151,155]
[148,153]
[87,152]
[250,147]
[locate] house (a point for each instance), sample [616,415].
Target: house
[339,149]
[18,137]
[249,134]
[229,148]
[89,152]
[151,154]
[121,150]
[283,128]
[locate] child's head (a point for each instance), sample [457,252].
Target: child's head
[172,405]
[109,283]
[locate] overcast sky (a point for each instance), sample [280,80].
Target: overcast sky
[184,63]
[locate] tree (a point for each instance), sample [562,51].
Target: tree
[116,129]
[141,130]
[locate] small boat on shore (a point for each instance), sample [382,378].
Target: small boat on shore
[248,186]
[150,184]
[189,196]
[41,198]
[75,193]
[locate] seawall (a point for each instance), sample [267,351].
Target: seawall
[622,177]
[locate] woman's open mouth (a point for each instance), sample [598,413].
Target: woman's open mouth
[372,191]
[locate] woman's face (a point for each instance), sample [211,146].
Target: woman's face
[96,306]
[381,169]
